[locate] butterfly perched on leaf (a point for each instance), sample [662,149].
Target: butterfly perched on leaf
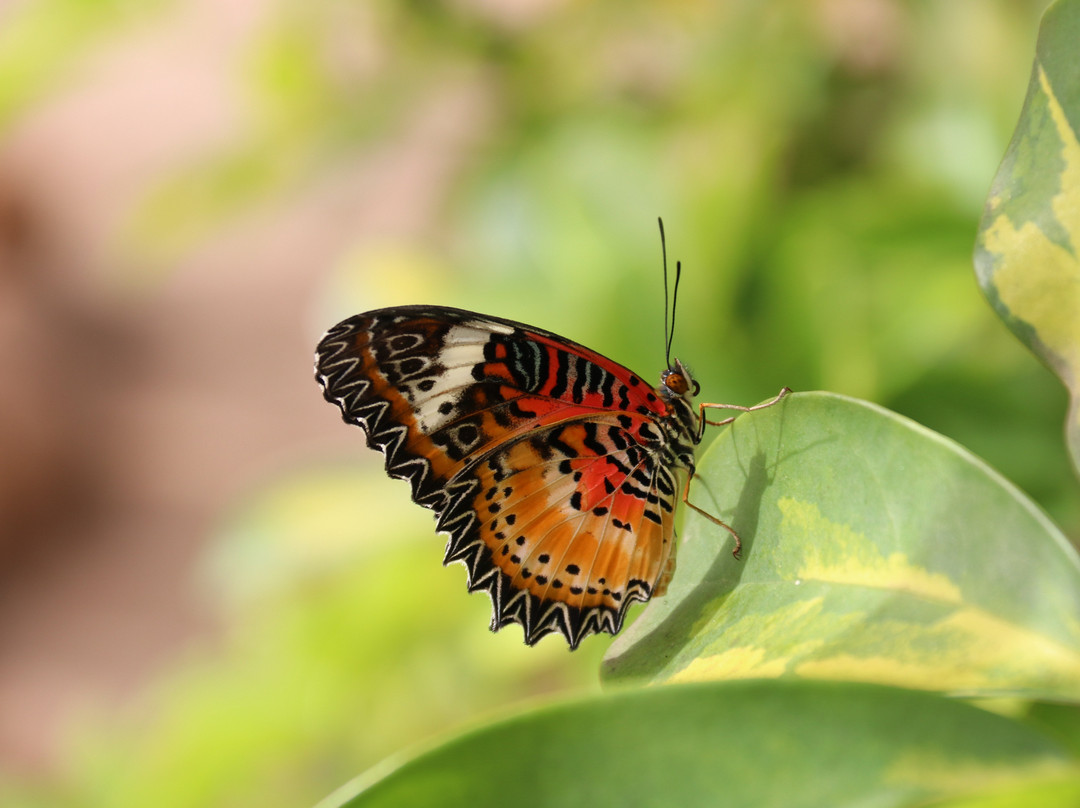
[554,471]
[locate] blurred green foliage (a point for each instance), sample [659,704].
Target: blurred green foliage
[821,168]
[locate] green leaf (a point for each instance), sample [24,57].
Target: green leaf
[1026,256]
[736,743]
[873,550]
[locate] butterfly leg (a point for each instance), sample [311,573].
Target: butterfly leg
[702,407]
[710,517]
[686,491]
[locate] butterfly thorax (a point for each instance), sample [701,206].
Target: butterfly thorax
[681,426]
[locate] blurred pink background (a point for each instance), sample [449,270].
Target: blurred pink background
[135,407]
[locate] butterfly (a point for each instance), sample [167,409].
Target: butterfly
[554,471]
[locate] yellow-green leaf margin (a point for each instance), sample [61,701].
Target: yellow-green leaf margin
[1027,256]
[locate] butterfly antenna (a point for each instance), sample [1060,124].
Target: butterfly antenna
[674,304]
[667,333]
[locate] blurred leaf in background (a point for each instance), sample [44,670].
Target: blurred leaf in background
[754,743]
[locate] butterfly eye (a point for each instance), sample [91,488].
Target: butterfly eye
[676,383]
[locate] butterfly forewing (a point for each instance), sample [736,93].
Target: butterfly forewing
[537,454]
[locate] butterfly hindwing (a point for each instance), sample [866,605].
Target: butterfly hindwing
[527,446]
[564,534]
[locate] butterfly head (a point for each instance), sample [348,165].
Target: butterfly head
[676,381]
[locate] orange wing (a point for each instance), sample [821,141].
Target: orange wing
[538,456]
[565,528]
